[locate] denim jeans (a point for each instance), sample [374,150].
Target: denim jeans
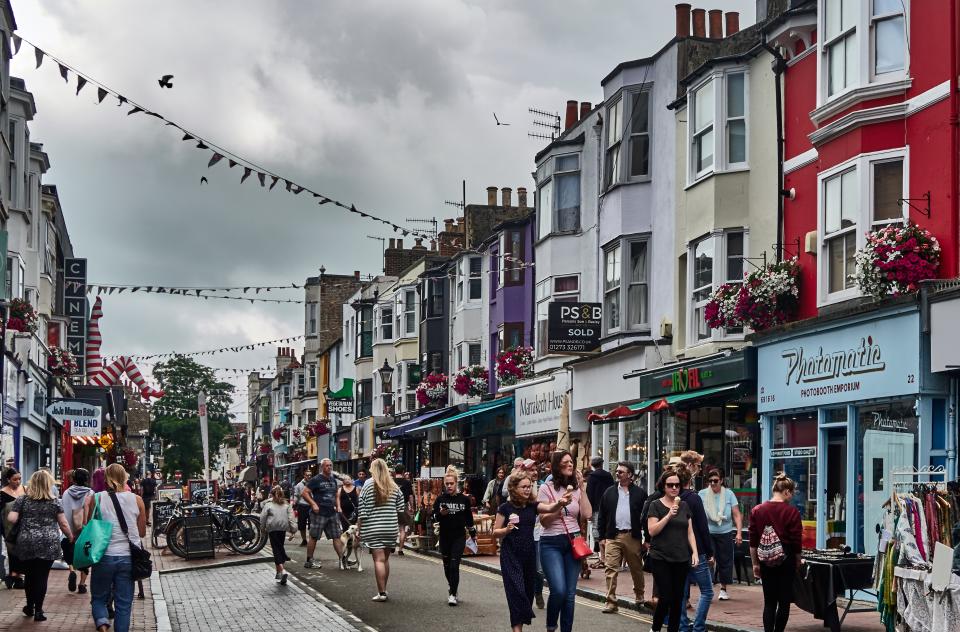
[704,580]
[111,576]
[562,573]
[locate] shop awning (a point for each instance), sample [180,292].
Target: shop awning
[632,411]
[416,422]
[295,464]
[345,391]
[482,407]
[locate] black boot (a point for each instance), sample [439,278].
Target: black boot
[28,610]
[38,616]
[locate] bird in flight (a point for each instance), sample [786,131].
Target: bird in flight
[203,179]
[498,120]
[165,82]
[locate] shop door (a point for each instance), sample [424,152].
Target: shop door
[835,494]
[883,451]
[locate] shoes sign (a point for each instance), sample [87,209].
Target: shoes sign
[83,419]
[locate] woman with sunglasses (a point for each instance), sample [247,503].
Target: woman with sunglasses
[726,523]
[673,549]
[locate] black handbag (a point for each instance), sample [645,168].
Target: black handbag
[141,563]
[13,532]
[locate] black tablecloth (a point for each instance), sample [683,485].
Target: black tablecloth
[819,582]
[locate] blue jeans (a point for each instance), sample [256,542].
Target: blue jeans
[111,577]
[562,573]
[704,579]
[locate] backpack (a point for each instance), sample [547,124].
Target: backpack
[770,551]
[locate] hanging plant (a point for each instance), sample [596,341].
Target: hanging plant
[896,259]
[297,434]
[277,434]
[22,316]
[514,365]
[264,448]
[769,296]
[432,391]
[721,310]
[472,380]
[129,457]
[61,362]
[387,452]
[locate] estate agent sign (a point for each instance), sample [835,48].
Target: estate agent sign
[879,358]
[573,327]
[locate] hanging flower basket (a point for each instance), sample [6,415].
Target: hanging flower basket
[129,457]
[387,452]
[769,296]
[61,362]
[472,381]
[514,365]
[321,428]
[22,316]
[721,311]
[264,448]
[297,434]
[432,391]
[896,259]
[277,434]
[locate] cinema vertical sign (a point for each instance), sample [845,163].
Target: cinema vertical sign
[75,306]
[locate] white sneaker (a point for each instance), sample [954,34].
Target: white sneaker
[379,597]
[452,600]
[723,596]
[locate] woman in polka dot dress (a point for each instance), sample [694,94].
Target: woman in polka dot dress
[518,562]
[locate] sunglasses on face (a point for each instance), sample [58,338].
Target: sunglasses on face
[672,485]
[714,481]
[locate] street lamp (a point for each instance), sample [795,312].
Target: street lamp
[386,383]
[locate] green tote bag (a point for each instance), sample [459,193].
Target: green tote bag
[93,540]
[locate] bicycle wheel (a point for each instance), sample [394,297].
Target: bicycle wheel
[176,538]
[246,536]
[159,539]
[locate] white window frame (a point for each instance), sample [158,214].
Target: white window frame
[479,348]
[719,276]
[311,318]
[618,133]
[548,220]
[410,306]
[863,164]
[864,30]
[384,319]
[546,292]
[312,377]
[624,243]
[720,127]
[467,279]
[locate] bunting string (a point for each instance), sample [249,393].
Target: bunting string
[209,352]
[217,152]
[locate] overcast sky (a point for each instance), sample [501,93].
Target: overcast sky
[384,104]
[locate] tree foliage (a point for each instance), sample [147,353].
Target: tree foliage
[182,379]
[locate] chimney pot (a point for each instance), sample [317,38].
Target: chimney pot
[699,23]
[433,245]
[585,107]
[491,196]
[399,244]
[683,19]
[571,119]
[716,24]
[505,192]
[448,223]
[522,197]
[356,275]
[392,243]
[733,22]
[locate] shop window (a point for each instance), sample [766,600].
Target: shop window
[794,452]
[635,448]
[512,336]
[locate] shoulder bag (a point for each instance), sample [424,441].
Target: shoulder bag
[13,529]
[578,545]
[93,539]
[141,564]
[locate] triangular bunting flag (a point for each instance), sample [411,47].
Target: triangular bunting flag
[298,191]
[101,95]
[232,163]
[39,55]
[353,209]
[262,177]
[198,292]
[289,184]
[134,110]
[273,182]
[111,290]
[80,83]
[214,160]
[187,137]
[149,288]
[324,201]
[63,72]
[17,40]
[202,145]
[246,289]
[134,290]
[246,174]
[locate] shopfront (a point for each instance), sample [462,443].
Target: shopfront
[538,410]
[843,408]
[708,405]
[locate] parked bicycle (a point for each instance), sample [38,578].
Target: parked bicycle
[232,527]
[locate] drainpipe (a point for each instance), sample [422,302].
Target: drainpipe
[954,116]
[779,66]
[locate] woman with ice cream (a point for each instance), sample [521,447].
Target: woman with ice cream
[518,562]
[452,512]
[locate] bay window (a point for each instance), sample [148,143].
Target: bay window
[840,45]
[312,378]
[469,277]
[717,126]
[386,322]
[512,257]
[405,311]
[702,126]
[625,285]
[311,318]
[713,260]
[565,288]
[611,288]
[365,332]
[614,135]
[628,119]
[558,192]
[702,285]
[856,196]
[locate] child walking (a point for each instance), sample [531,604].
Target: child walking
[277,518]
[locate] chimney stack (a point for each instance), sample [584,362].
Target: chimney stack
[433,245]
[491,196]
[522,197]
[448,223]
[733,22]
[699,23]
[505,192]
[393,243]
[716,24]
[571,119]
[356,275]
[585,108]
[683,19]
[399,244]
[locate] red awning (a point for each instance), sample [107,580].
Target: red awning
[631,411]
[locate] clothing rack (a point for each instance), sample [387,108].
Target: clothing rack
[930,472]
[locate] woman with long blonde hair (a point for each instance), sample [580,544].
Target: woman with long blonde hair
[112,575]
[38,513]
[381,502]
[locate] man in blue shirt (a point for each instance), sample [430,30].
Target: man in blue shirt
[321,494]
[361,477]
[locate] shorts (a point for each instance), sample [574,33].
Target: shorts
[329,525]
[405,519]
[303,517]
[66,546]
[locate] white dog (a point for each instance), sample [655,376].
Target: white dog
[351,549]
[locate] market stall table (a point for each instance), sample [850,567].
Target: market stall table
[828,574]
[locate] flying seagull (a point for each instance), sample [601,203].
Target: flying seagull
[203,179]
[498,120]
[165,82]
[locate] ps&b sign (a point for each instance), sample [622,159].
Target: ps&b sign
[573,327]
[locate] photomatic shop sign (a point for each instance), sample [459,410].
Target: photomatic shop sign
[538,407]
[84,419]
[880,358]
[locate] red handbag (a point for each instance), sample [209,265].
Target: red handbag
[578,545]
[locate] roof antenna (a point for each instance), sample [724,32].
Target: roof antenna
[546,120]
[383,250]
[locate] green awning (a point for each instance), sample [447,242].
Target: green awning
[482,407]
[632,411]
[345,391]
[704,392]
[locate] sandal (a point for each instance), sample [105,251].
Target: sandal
[597,565]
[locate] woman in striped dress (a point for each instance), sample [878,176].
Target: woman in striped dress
[381,502]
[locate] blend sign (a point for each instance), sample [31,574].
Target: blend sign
[865,361]
[84,419]
[573,327]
